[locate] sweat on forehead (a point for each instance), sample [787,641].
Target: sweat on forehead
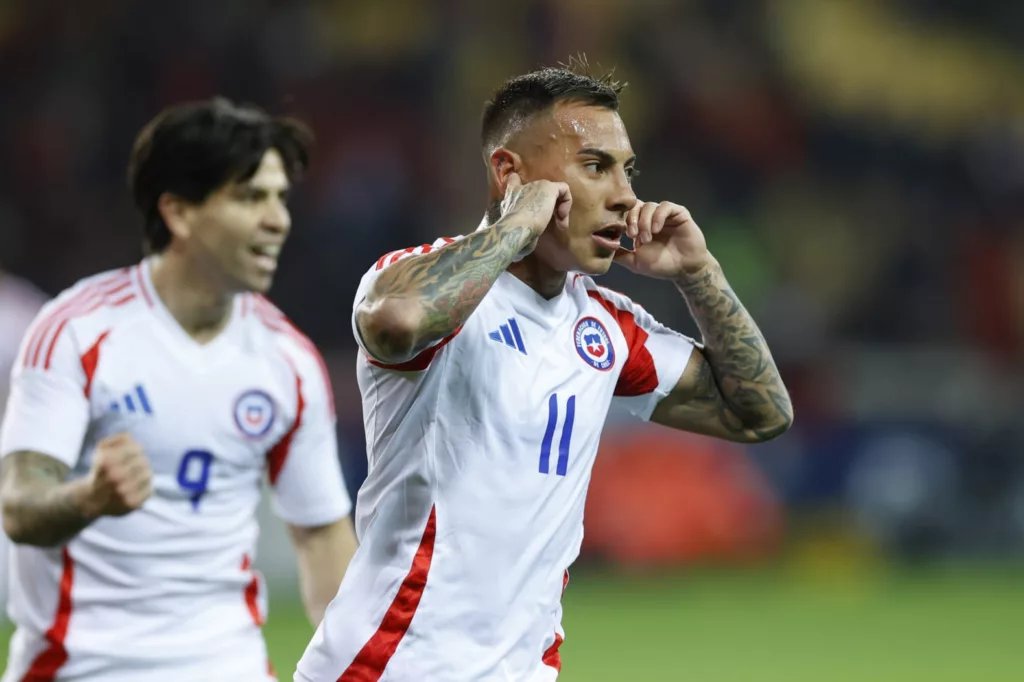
[575,124]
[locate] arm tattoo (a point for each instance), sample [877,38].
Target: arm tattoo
[447,285]
[37,503]
[750,395]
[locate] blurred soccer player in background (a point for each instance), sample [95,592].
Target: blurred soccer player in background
[147,402]
[488,366]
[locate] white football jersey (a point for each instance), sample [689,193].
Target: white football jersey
[480,452]
[166,592]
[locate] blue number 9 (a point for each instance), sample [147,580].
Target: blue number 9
[194,474]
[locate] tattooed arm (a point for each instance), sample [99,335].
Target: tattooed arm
[418,301]
[731,388]
[39,508]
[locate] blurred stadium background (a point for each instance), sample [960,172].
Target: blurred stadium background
[858,168]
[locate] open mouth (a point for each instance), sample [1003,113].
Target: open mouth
[266,256]
[610,237]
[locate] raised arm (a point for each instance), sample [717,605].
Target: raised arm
[420,300]
[731,388]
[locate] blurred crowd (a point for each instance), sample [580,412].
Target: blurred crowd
[857,167]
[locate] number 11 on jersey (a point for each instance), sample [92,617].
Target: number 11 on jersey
[549,435]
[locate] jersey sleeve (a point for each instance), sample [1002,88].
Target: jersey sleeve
[656,357]
[308,486]
[421,361]
[48,406]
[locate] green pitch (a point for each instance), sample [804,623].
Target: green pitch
[937,626]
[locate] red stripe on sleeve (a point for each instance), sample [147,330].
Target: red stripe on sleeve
[89,299]
[383,259]
[89,360]
[45,324]
[49,662]
[394,256]
[279,453]
[399,254]
[277,321]
[418,363]
[82,311]
[639,376]
[372,659]
[123,300]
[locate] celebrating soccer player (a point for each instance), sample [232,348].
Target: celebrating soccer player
[488,364]
[146,404]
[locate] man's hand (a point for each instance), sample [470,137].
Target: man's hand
[120,480]
[667,242]
[537,204]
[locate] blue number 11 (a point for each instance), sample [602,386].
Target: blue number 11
[549,435]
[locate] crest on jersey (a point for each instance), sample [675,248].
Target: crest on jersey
[254,413]
[594,344]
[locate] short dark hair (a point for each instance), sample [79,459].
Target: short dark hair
[191,150]
[529,94]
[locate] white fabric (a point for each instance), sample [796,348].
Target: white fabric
[475,431]
[172,581]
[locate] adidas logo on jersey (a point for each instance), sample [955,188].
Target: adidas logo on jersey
[137,402]
[509,335]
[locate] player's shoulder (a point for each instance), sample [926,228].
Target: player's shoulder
[274,327]
[104,298]
[392,257]
[294,347]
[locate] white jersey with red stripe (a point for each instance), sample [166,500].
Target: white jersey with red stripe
[480,453]
[167,592]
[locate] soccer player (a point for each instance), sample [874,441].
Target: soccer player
[488,365]
[146,404]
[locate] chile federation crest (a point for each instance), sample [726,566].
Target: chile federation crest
[594,344]
[254,413]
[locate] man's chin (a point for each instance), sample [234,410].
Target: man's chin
[254,284]
[261,285]
[597,264]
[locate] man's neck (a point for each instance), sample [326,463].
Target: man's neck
[546,281]
[200,306]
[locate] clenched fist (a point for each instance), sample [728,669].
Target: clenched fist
[120,479]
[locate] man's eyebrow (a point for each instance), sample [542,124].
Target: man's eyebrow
[249,186]
[605,157]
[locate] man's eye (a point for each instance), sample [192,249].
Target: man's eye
[593,166]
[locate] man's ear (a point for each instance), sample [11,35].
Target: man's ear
[501,164]
[176,213]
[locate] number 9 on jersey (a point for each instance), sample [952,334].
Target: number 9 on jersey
[194,474]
